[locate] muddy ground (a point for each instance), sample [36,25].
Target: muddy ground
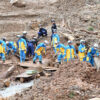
[78,18]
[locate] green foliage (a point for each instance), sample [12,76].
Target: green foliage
[90,29]
[71,94]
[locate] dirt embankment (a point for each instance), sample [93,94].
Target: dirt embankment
[72,81]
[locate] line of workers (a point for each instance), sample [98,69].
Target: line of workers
[66,53]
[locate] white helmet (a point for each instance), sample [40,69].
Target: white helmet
[56,42]
[4,38]
[95,46]
[24,32]
[7,42]
[69,41]
[34,37]
[52,20]
[82,41]
[46,42]
[18,36]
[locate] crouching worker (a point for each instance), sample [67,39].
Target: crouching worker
[42,31]
[70,52]
[12,47]
[2,51]
[82,51]
[60,52]
[22,45]
[92,52]
[39,49]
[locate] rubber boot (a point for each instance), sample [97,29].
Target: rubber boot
[40,62]
[34,62]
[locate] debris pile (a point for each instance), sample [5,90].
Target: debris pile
[74,80]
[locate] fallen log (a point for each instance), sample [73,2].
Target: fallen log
[8,72]
[68,36]
[89,32]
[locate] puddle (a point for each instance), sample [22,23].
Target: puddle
[12,90]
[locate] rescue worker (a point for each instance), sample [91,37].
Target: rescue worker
[30,48]
[12,46]
[35,41]
[55,38]
[70,52]
[4,43]
[39,49]
[42,31]
[24,36]
[53,27]
[2,51]
[60,51]
[22,46]
[93,51]
[82,51]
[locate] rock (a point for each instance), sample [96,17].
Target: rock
[18,3]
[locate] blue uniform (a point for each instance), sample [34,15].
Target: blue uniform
[22,49]
[55,38]
[70,53]
[30,48]
[90,55]
[41,47]
[4,44]
[11,46]
[42,32]
[2,50]
[82,52]
[60,50]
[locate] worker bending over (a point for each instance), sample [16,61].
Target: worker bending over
[22,48]
[2,51]
[39,49]
[82,51]
[55,39]
[60,51]
[42,31]
[70,52]
[11,47]
[92,52]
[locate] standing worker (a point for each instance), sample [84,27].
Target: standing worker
[55,39]
[42,31]
[82,51]
[60,51]
[39,49]
[53,27]
[12,46]
[4,43]
[92,52]
[24,36]
[30,48]
[70,52]
[22,48]
[2,51]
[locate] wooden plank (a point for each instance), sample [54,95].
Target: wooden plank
[24,75]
